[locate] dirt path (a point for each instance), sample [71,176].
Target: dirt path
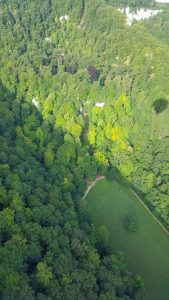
[82,13]
[92,184]
[98,178]
[141,201]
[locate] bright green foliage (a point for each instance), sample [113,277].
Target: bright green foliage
[49,157]
[79,95]
[44,274]
[92,136]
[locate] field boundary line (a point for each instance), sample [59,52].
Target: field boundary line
[145,206]
[92,185]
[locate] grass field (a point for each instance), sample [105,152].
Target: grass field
[146,249]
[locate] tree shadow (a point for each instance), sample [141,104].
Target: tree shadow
[160,105]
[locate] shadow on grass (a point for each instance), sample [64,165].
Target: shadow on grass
[114,174]
[160,105]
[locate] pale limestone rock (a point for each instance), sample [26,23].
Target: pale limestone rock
[100,104]
[35,102]
[140,14]
[48,39]
[65,17]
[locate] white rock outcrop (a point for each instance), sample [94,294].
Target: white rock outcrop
[35,102]
[65,17]
[100,104]
[140,14]
[48,39]
[162,1]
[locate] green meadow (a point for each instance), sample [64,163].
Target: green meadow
[145,244]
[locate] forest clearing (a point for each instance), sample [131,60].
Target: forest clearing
[146,247]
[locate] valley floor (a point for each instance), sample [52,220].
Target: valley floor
[146,249]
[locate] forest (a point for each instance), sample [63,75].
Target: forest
[81,95]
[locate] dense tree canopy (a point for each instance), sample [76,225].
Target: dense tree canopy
[81,94]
